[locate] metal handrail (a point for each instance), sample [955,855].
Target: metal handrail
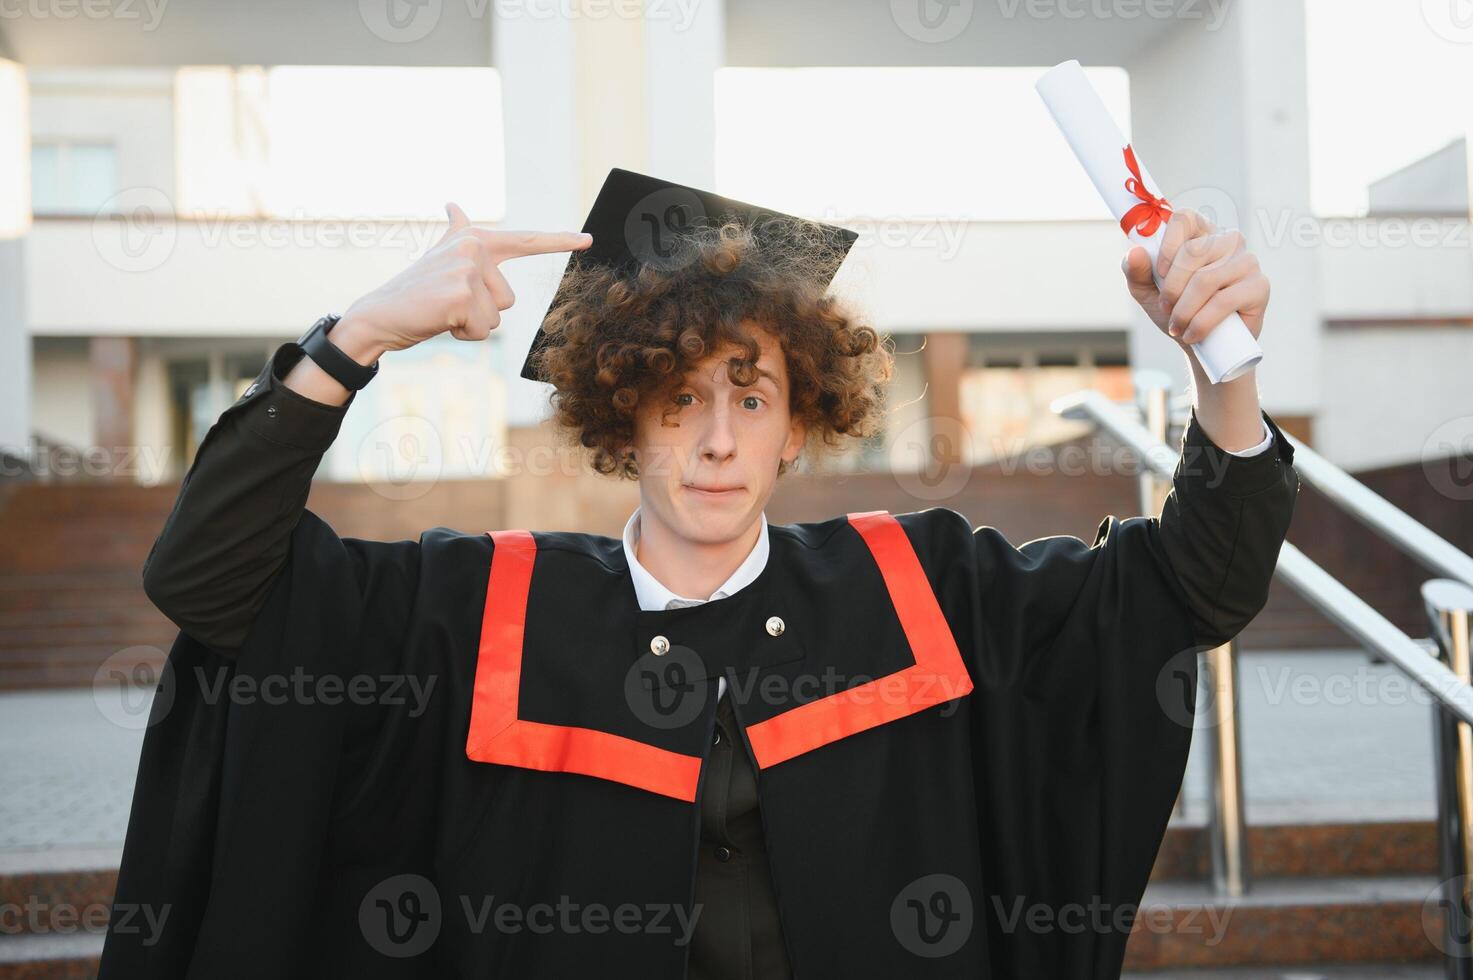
[1449,605]
[1445,673]
[1318,587]
[1399,528]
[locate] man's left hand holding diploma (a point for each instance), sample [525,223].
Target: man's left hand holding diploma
[1206,274]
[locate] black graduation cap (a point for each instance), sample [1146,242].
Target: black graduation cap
[637,220]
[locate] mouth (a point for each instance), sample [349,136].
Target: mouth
[714,493]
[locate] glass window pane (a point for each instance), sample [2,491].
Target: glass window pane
[92,176]
[45,177]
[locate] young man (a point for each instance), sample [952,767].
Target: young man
[873,746]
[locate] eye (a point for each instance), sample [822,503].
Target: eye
[756,402]
[683,394]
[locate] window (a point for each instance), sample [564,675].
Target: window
[1011,380]
[339,141]
[72,177]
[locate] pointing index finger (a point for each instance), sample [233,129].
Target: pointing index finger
[512,244]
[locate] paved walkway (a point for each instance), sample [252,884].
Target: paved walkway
[1376,972]
[1326,736]
[67,769]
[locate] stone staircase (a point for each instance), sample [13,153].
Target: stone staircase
[1351,894]
[57,906]
[71,593]
[1329,900]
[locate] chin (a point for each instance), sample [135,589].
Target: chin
[711,521]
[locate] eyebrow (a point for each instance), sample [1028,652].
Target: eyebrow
[761,372]
[770,376]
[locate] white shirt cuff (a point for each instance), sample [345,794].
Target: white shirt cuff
[1268,440]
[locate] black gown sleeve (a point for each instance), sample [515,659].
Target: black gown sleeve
[1084,661]
[227,536]
[252,739]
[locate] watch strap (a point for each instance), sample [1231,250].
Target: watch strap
[328,356]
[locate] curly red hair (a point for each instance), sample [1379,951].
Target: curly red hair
[621,338]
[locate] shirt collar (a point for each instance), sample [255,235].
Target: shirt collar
[652,594]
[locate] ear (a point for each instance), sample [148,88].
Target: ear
[797,438]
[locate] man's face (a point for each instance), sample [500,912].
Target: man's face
[707,472]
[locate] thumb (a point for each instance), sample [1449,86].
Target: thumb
[458,220]
[1137,268]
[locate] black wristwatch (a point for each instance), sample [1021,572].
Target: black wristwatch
[348,372]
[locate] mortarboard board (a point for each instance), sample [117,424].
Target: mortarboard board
[637,220]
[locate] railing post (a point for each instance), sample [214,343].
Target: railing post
[1153,391]
[1449,605]
[1227,830]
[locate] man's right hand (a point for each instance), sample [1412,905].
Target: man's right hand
[456,286]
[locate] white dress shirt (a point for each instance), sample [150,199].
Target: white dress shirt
[652,593]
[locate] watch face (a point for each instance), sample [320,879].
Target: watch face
[320,321]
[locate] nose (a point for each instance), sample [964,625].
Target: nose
[718,436]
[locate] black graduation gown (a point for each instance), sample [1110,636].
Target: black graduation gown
[967,751]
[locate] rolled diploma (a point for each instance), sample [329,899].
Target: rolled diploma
[1230,349]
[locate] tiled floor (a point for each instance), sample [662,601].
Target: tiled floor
[66,768]
[1328,735]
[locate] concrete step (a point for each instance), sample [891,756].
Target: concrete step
[14,586]
[1285,929]
[1352,971]
[39,668]
[116,613]
[61,956]
[1297,921]
[1319,849]
[22,639]
[56,902]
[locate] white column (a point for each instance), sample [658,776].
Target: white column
[600,88]
[684,47]
[15,221]
[535,54]
[1220,117]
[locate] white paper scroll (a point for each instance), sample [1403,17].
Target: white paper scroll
[1230,349]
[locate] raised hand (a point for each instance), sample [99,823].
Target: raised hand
[1205,273]
[456,286]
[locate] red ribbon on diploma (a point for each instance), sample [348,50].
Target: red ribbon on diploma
[1152,212]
